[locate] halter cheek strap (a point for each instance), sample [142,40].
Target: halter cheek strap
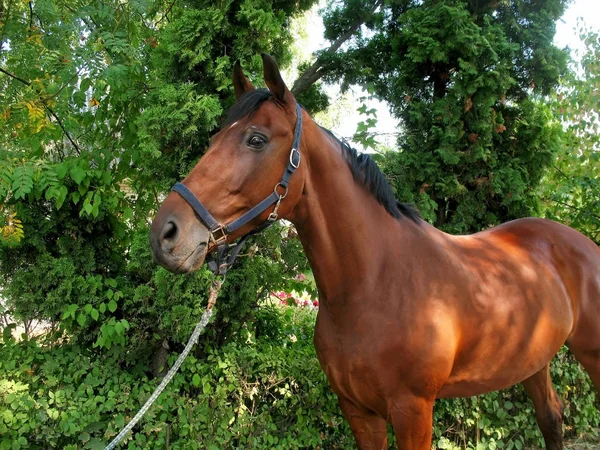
[219,232]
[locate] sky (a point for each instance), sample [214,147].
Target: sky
[566,36]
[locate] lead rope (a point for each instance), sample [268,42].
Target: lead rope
[212,298]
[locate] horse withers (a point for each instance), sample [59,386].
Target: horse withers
[407,313]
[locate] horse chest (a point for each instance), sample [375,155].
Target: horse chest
[354,364]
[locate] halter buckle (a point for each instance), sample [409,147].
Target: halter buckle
[218,235]
[295,158]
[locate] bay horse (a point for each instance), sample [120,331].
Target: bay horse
[407,313]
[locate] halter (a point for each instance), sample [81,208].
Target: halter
[218,232]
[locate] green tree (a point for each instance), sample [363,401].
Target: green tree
[103,106]
[572,186]
[465,78]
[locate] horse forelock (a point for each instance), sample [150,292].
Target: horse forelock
[246,105]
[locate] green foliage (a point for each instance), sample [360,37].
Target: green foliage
[104,106]
[266,392]
[572,186]
[254,395]
[465,79]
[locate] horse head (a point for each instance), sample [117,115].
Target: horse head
[238,184]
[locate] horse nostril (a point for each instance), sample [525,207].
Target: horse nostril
[169,232]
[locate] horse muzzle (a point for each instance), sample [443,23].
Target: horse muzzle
[179,242]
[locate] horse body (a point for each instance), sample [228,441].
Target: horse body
[407,313]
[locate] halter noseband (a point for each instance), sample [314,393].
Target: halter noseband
[218,232]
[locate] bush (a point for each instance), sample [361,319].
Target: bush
[265,393]
[261,394]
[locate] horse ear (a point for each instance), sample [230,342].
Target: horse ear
[241,84]
[274,81]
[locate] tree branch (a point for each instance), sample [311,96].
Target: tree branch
[580,210]
[30,17]
[164,16]
[43,100]
[63,86]
[60,124]
[12,75]
[318,68]
[560,171]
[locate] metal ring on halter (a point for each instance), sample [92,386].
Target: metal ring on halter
[216,238]
[285,193]
[296,164]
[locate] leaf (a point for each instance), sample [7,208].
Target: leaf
[112,306]
[196,380]
[128,213]
[61,195]
[85,84]
[94,314]
[70,311]
[22,181]
[96,444]
[81,319]
[77,174]
[61,170]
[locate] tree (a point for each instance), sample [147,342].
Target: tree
[103,106]
[465,78]
[572,185]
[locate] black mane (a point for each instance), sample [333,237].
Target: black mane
[363,168]
[366,171]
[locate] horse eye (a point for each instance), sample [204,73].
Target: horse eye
[257,142]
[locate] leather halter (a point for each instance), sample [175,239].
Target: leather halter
[218,232]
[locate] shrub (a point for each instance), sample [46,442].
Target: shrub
[265,393]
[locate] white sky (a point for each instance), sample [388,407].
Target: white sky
[566,36]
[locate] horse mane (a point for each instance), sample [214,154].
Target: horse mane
[364,169]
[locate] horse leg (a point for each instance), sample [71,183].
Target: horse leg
[412,419]
[585,346]
[548,407]
[369,429]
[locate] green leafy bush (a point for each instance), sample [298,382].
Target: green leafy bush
[263,393]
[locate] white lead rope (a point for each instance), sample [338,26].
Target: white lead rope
[214,290]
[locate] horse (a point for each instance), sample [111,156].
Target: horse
[407,313]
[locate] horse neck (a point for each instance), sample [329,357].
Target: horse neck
[347,235]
